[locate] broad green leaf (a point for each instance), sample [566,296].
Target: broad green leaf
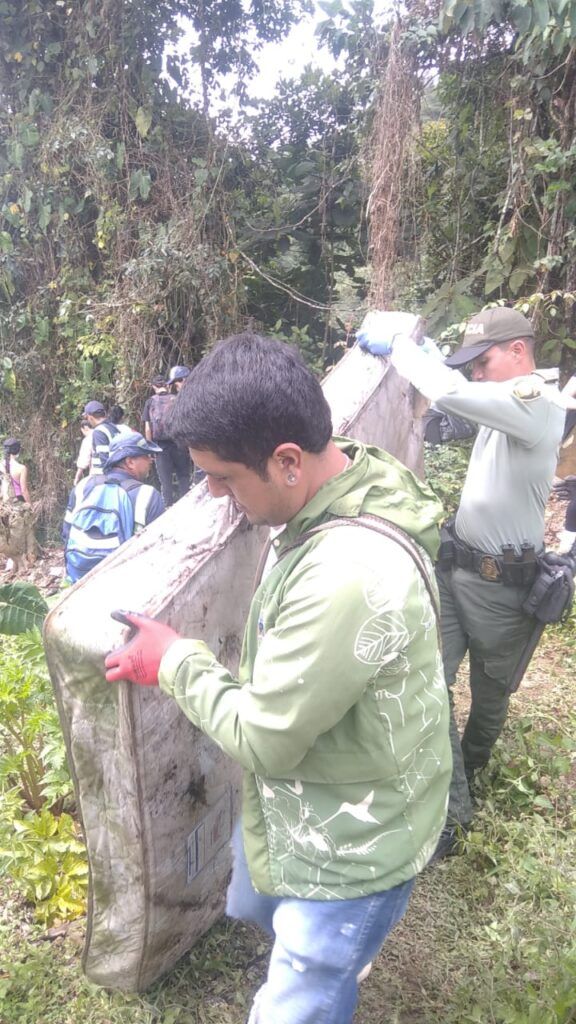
[9,380]
[541,13]
[44,214]
[143,120]
[22,608]
[27,197]
[522,18]
[494,279]
[518,277]
[140,184]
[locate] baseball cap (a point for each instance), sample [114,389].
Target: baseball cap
[93,409]
[178,373]
[124,446]
[490,327]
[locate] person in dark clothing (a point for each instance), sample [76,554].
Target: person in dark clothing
[171,461]
[116,416]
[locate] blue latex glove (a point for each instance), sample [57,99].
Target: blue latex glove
[379,329]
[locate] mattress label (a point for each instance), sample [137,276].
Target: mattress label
[209,836]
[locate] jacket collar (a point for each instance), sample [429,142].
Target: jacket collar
[341,495]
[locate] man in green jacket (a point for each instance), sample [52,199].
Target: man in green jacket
[339,714]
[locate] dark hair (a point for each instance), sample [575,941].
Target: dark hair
[116,414]
[247,396]
[11,447]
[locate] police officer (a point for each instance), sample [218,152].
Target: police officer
[490,551]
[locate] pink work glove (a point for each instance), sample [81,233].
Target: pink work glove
[139,660]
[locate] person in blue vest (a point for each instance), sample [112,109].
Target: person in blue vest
[105,510]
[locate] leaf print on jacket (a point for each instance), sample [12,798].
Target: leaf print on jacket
[380,638]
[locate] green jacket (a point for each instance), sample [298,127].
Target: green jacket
[340,713]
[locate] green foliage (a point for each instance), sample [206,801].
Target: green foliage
[445,467]
[46,861]
[502,148]
[521,846]
[300,226]
[114,219]
[32,757]
[22,608]
[527,773]
[40,847]
[537,24]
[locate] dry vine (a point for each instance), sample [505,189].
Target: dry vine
[391,163]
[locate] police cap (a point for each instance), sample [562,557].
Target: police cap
[490,327]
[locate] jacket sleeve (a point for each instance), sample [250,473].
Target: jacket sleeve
[335,629]
[100,447]
[155,506]
[498,405]
[148,505]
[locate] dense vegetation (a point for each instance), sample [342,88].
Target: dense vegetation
[138,222]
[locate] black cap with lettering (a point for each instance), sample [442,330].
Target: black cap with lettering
[490,327]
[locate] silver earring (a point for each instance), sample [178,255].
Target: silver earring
[291,478]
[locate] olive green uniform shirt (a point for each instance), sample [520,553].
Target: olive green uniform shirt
[515,453]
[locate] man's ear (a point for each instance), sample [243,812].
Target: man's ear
[288,458]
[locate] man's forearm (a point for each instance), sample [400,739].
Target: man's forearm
[430,376]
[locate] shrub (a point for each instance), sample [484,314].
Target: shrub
[40,845]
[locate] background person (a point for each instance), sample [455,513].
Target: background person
[105,510]
[339,714]
[491,550]
[103,430]
[177,377]
[14,472]
[116,416]
[84,460]
[172,462]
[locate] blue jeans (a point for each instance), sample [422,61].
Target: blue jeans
[320,946]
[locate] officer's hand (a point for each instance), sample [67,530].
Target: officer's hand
[139,660]
[379,329]
[565,489]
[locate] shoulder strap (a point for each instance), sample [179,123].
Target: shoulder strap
[88,484]
[127,485]
[381,526]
